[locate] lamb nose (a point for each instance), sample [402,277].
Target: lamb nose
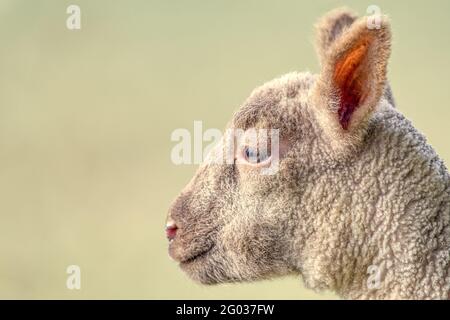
[171,230]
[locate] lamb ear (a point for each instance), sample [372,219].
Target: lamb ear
[330,27]
[352,80]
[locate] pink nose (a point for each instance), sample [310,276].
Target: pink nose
[171,230]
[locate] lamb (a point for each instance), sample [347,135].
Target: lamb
[360,203]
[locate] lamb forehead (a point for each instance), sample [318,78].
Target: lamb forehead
[275,103]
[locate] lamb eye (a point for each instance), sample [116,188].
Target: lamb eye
[253,155]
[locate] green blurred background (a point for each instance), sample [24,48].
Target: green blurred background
[86,118]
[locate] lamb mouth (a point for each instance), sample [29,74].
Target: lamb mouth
[197,256]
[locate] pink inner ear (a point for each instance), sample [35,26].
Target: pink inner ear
[348,104]
[350,79]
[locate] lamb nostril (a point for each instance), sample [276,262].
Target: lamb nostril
[171,230]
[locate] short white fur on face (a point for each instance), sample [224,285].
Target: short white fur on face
[358,188]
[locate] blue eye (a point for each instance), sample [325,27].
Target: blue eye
[250,153]
[253,155]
